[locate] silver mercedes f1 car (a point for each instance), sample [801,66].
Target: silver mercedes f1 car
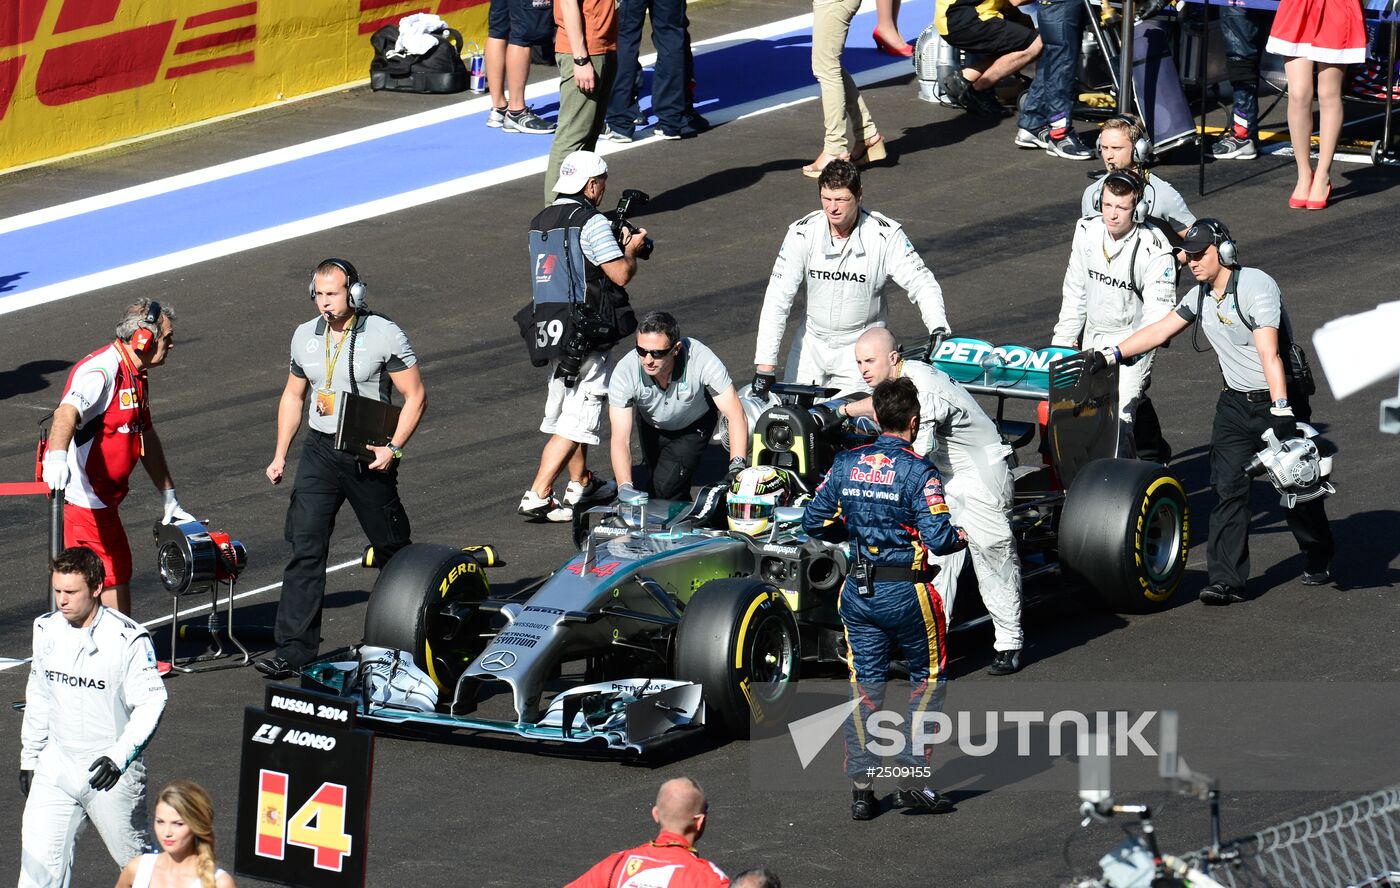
[664,622]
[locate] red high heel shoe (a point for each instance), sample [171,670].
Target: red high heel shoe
[889,49]
[1321,204]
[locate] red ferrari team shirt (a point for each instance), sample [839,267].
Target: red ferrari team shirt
[668,862]
[110,397]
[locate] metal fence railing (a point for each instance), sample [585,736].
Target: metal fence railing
[1352,845]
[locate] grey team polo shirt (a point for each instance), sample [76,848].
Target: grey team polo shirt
[698,372]
[1261,301]
[381,348]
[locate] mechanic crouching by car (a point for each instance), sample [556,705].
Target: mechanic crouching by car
[1121,277]
[891,502]
[1266,386]
[844,253]
[963,443]
[579,311]
[675,389]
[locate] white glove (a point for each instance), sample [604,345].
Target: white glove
[174,512]
[56,469]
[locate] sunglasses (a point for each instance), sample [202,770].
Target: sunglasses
[655,354]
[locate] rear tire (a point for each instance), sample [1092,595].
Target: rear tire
[738,640]
[405,610]
[1125,528]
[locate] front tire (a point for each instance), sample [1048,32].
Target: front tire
[422,603]
[738,640]
[1125,528]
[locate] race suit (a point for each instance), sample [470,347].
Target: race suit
[1160,199]
[1112,289]
[92,692]
[845,297]
[669,861]
[963,442]
[891,502]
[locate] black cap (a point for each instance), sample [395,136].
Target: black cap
[1200,236]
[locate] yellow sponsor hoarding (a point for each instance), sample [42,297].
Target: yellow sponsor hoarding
[78,74]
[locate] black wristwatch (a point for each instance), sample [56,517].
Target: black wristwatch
[580,61]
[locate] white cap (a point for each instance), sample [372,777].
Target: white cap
[578,167]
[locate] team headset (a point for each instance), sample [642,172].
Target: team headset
[1224,244]
[352,281]
[1133,181]
[144,339]
[1142,145]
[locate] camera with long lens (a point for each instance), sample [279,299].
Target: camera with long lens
[631,199]
[587,329]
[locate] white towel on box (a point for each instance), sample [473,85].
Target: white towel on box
[416,33]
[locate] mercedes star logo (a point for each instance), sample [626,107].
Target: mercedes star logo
[498,660]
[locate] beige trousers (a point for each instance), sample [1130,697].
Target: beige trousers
[841,101]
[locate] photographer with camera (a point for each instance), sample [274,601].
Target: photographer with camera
[580,263]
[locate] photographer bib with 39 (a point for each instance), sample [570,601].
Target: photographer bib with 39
[575,309]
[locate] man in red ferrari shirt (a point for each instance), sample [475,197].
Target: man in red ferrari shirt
[101,429]
[670,860]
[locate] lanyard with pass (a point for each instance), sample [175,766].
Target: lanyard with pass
[325,397]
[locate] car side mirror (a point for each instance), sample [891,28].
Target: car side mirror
[787,514]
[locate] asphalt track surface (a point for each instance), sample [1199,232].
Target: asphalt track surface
[994,223]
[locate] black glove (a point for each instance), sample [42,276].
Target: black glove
[1146,9]
[736,465]
[828,420]
[106,776]
[762,385]
[1097,363]
[26,777]
[1285,425]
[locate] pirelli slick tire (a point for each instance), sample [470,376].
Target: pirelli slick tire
[1125,529]
[738,640]
[423,604]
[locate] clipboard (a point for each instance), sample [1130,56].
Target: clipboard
[364,421]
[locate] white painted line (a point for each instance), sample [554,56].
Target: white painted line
[10,662]
[383,206]
[346,139]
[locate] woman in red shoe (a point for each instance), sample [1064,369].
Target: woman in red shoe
[887,36]
[1327,35]
[842,106]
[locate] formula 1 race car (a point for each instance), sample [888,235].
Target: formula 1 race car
[670,623]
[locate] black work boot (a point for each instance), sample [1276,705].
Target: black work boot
[864,805]
[1220,595]
[922,800]
[1005,663]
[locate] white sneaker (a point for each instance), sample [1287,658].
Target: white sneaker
[1036,138]
[539,508]
[593,489]
[497,118]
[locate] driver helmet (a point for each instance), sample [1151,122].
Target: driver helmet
[755,494]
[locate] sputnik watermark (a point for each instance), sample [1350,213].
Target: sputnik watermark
[976,734]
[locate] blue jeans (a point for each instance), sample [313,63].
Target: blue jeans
[1051,97]
[1242,29]
[668,83]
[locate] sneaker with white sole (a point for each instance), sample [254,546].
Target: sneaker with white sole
[1069,147]
[497,118]
[594,488]
[527,121]
[611,135]
[541,508]
[1232,147]
[1036,138]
